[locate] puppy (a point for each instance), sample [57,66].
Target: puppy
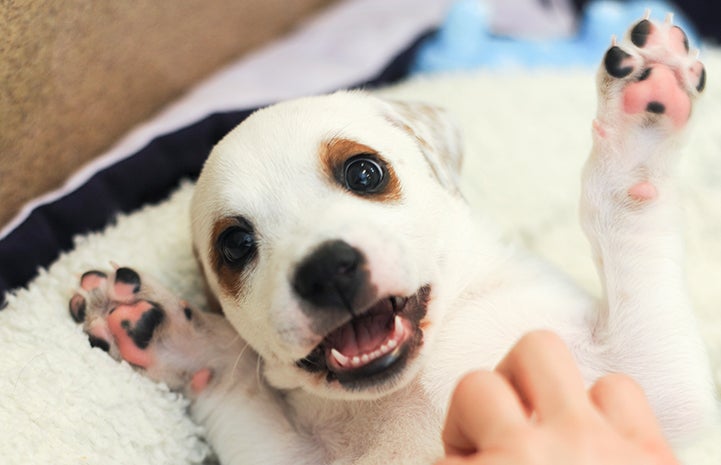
[356,286]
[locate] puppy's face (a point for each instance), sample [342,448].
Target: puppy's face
[323,226]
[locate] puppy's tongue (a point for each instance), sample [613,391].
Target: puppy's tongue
[363,340]
[361,335]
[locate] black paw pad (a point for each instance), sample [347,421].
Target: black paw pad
[701,81]
[142,332]
[656,107]
[77,308]
[128,276]
[646,73]
[99,343]
[640,33]
[614,62]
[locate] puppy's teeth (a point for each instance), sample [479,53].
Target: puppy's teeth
[340,358]
[397,328]
[375,354]
[355,361]
[384,349]
[364,358]
[392,343]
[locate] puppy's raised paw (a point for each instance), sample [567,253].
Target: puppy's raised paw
[647,85]
[652,76]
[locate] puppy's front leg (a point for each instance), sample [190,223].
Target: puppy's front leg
[629,211]
[249,426]
[133,318]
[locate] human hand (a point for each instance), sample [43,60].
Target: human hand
[535,409]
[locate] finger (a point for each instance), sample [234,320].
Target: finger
[484,409]
[542,370]
[480,459]
[455,461]
[624,405]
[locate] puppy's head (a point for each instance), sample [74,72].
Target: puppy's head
[325,228]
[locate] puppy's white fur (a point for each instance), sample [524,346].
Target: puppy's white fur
[484,295]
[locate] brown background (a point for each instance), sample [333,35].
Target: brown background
[77,74]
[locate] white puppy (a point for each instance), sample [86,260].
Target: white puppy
[332,234]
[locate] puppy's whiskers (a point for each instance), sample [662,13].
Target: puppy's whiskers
[240,355]
[233,341]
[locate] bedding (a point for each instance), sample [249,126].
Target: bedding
[526,136]
[80,74]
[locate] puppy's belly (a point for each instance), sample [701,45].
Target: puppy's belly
[484,324]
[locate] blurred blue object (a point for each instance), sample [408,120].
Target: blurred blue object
[464,40]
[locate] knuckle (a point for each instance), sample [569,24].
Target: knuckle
[540,339]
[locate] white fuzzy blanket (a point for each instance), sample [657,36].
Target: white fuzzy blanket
[527,137]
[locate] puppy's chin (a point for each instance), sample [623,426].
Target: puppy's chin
[368,356]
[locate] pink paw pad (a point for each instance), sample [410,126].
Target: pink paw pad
[643,191]
[658,93]
[92,280]
[132,327]
[200,380]
[88,281]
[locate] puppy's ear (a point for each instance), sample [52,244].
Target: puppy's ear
[437,137]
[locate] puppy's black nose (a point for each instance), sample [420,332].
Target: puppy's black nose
[332,276]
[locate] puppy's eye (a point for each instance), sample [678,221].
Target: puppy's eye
[237,245]
[364,174]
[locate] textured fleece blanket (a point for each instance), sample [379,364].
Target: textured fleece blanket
[62,402]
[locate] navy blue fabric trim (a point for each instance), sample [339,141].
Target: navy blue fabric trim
[148,176]
[145,177]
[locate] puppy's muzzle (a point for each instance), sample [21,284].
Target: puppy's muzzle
[366,337]
[333,278]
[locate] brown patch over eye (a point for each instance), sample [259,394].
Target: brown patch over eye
[359,169]
[233,249]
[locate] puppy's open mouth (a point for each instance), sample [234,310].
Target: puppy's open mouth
[374,345]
